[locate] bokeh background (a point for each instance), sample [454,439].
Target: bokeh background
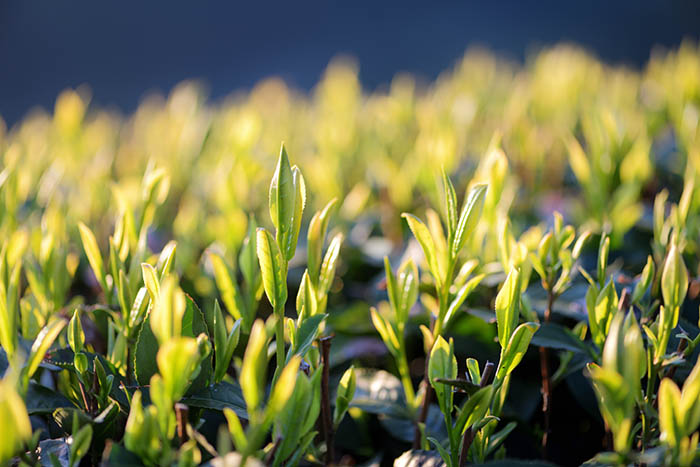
[590,109]
[124,50]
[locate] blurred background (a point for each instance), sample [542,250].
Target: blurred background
[590,109]
[125,49]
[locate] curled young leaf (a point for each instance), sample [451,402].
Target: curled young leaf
[76,335]
[316,237]
[330,263]
[273,269]
[644,281]
[468,218]
[422,234]
[674,279]
[92,251]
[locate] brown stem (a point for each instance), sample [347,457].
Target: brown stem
[427,398]
[546,380]
[624,303]
[271,455]
[468,438]
[84,396]
[181,413]
[326,417]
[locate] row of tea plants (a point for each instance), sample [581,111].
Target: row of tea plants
[152,312]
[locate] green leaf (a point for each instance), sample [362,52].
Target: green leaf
[80,445]
[283,388]
[674,279]
[605,306]
[42,343]
[287,423]
[443,452]
[468,218]
[236,430]
[219,396]
[422,234]
[386,331]
[344,394]
[248,260]
[474,409]
[42,400]
[556,336]
[14,420]
[299,203]
[474,371]
[517,346]
[92,251]
[507,306]
[462,384]
[603,258]
[145,365]
[273,269]
[450,204]
[330,263]
[307,301]
[306,334]
[405,291]
[253,370]
[178,361]
[461,296]
[76,336]
[125,296]
[379,392]
[229,290]
[391,285]
[151,281]
[224,342]
[166,260]
[670,418]
[9,297]
[315,238]
[282,195]
[442,365]
[645,280]
[580,243]
[496,439]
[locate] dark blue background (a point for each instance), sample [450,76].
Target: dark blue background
[123,49]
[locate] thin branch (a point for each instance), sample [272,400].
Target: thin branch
[427,399]
[468,438]
[181,413]
[546,379]
[326,416]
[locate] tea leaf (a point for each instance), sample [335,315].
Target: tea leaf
[474,409]
[273,269]
[507,306]
[450,204]
[76,335]
[92,251]
[253,370]
[674,279]
[330,263]
[282,195]
[42,343]
[420,231]
[468,218]
[517,346]
[229,290]
[316,236]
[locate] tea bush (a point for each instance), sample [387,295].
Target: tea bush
[154,311]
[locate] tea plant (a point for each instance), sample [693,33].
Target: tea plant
[153,310]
